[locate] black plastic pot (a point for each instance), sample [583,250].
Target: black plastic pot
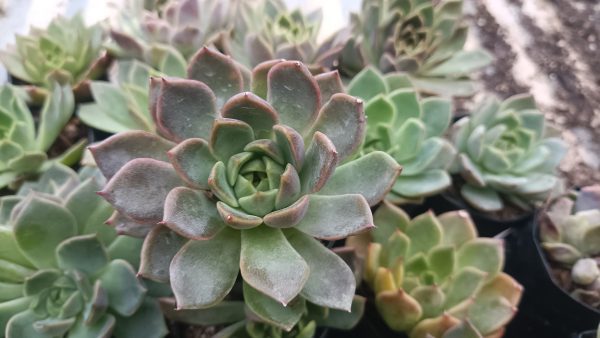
[546,310]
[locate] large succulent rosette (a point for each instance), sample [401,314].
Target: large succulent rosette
[245,182]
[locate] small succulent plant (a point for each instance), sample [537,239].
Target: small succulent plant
[23,146]
[411,130]
[422,38]
[165,38]
[507,152]
[67,52]
[313,317]
[267,30]
[570,236]
[122,103]
[63,272]
[433,277]
[234,187]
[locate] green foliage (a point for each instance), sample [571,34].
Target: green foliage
[432,276]
[244,182]
[122,103]
[570,236]
[264,30]
[23,146]
[507,152]
[67,52]
[408,128]
[65,274]
[169,34]
[422,38]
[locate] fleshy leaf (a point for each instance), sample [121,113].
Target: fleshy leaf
[335,217]
[39,227]
[125,293]
[141,177]
[271,265]
[291,144]
[253,110]
[289,216]
[259,77]
[294,94]
[271,311]
[193,161]
[342,119]
[377,171]
[185,109]
[218,71]
[319,164]
[329,83]
[84,253]
[229,137]
[331,283]
[203,272]
[117,150]
[191,214]
[236,218]
[160,246]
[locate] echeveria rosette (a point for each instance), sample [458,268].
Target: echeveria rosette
[507,152]
[422,38]
[408,128]
[570,236]
[166,37]
[67,51]
[63,273]
[122,103]
[267,30]
[434,277]
[23,142]
[236,189]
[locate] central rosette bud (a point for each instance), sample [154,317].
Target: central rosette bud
[253,176]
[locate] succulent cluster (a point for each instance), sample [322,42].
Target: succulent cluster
[433,277]
[67,52]
[23,146]
[63,272]
[422,38]
[122,103]
[267,30]
[234,188]
[165,38]
[570,236]
[506,152]
[408,128]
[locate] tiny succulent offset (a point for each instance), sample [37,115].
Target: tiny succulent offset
[267,30]
[165,38]
[68,52]
[433,277]
[570,236]
[422,38]
[507,153]
[63,272]
[23,146]
[245,182]
[408,128]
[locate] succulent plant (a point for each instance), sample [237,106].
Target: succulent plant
[122,103]
[421,37]
[267,30]
[63,273]
[506,151]
[314,316]
[234,188]
[570,236]
[409,129]
[433,277]
[68,52]
[165,38]
[23,146]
